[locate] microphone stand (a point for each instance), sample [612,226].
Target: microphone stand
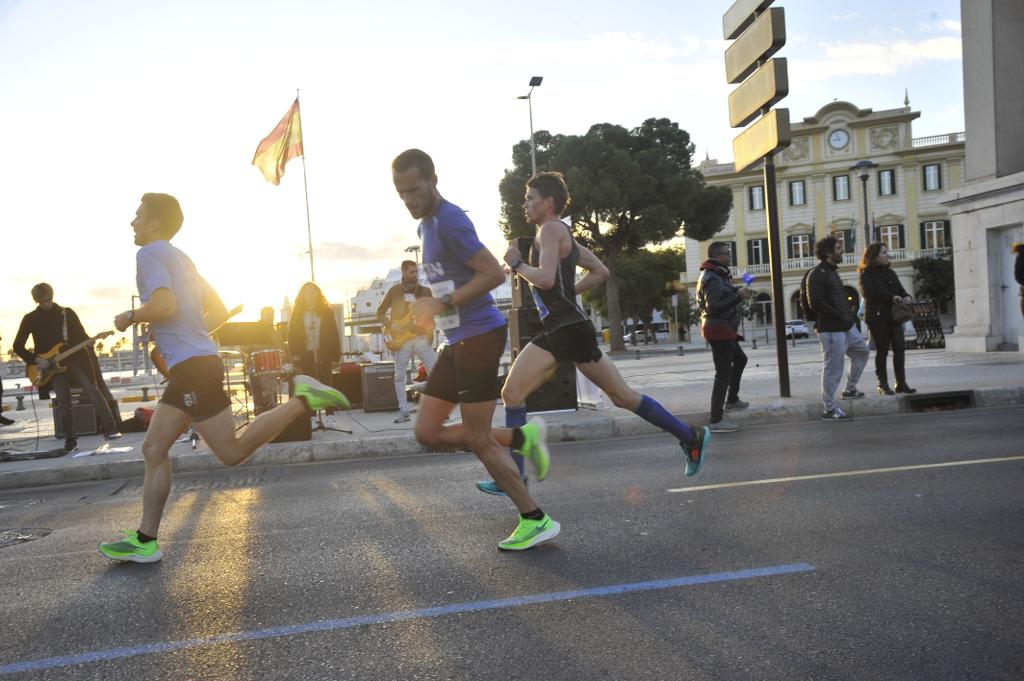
[319,418]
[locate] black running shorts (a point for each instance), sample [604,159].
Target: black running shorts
[576,343]
[467,372]
[196,387]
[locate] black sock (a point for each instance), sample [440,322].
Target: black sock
[535,514]
[518,439]
[144,537]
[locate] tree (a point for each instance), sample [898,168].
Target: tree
[629,188]
[934,279]
[643,276]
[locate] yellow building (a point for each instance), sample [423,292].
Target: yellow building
[819,194]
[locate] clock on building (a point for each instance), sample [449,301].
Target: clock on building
[838,139]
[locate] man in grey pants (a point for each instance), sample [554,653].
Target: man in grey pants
[836,331]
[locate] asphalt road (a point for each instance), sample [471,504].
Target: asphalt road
[388,569]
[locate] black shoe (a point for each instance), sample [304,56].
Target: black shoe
[4,421]
[905,389]
[836,415]
[884,389]
[70,445]
[852,394]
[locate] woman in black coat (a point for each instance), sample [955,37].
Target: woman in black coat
[881,288]
[313,341]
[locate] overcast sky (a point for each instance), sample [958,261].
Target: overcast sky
[104,101]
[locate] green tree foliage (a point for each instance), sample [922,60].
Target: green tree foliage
[934,279]
[629,188]
[644,277]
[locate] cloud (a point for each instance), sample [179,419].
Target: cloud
[881,58]
[845,17]
[335,250]
[941,26]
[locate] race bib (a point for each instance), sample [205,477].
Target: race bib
[449,319]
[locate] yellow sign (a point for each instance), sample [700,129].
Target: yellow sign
[767,136]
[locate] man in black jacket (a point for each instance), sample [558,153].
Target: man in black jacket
[50,324]
[836,331]
[719,302]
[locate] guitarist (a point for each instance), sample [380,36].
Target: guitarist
[50,324]
[408,338]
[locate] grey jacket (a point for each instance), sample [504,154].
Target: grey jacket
[717,296]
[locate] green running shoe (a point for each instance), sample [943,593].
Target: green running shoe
[535,445]
[318,396]
[695,450]
[529,533]
[131,550]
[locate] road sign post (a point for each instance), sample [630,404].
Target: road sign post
[758,32]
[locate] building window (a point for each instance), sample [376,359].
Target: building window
[891,236]
[886,182]
[841,188]
[935,234]
[756,198]
[800,246]
[757,252]
[845,237]
[932,177]
[796,193]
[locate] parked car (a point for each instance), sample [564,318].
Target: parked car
[798,328]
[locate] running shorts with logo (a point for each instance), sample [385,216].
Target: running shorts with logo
[467,370]
[576,343]
[196,387]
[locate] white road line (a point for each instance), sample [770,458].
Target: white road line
[843,474]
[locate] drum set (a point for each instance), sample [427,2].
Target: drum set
[266,369]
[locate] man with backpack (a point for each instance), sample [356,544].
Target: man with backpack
[824,301]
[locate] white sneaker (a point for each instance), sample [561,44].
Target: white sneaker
[723,426]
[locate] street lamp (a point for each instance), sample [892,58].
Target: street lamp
[416,250]
[534,82]
[863,170]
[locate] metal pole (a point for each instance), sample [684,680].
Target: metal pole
[867,225]
[533,147]
[775,260]
[305,189]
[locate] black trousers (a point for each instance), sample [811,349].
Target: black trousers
[98,396]
[889,335]
[729,363]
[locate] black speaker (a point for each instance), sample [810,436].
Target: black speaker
[379,387]
[299,430]
[86,421]
[558,393]
[523,324]
[349,380]
[521,296]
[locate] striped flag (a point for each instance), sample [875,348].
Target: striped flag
[280,146]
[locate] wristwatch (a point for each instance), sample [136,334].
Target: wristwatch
[513,267]
[446,299]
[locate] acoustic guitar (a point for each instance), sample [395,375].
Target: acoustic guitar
[157,357]
[55,356]
[401,330]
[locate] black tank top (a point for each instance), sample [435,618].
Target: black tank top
[557,305]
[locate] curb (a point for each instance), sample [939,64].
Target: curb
[596,427]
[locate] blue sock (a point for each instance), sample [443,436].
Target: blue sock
[651,411]
[515,417]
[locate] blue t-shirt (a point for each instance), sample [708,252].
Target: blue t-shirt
[449,241]
[160,265]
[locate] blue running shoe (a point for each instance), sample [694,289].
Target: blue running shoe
[491,487]
[695,451]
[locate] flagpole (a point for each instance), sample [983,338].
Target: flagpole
[305,188]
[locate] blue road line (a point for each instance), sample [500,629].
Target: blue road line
[363,620]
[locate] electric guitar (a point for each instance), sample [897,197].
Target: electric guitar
[401,330]
[56,354]
[157,357]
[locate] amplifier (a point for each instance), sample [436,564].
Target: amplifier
[521,296]
[558,393]
[86,421]
[379,387]
[349,380]
[299,430]
[523,324]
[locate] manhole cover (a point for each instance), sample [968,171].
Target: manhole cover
[8,504]
[21,535]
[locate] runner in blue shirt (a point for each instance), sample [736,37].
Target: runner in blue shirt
[182,308]
[462,272]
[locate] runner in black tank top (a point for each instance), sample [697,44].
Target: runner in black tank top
[568,335]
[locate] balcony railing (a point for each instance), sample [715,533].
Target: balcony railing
[851,259]
[951,138]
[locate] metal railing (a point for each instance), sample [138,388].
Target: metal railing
[896,255]
[950,138]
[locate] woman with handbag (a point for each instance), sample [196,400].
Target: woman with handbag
[886,308]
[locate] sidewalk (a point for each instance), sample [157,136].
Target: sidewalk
[681,383]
